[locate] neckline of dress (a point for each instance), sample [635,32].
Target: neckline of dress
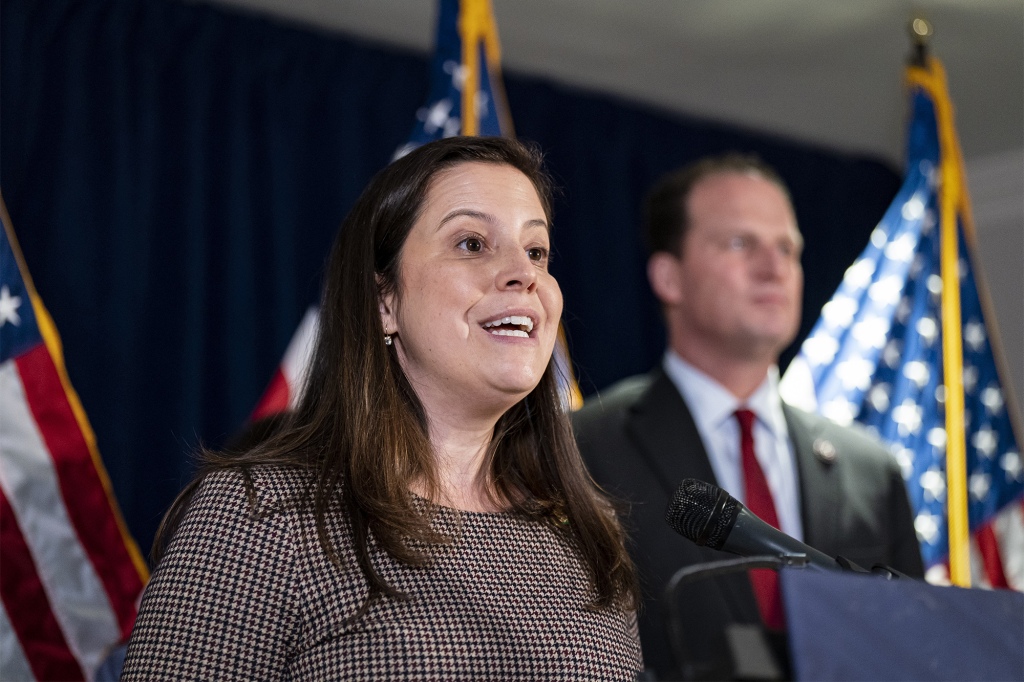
[503,513]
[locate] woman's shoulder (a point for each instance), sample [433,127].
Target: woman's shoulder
[232,565]
[263,488]
[239,495]
[258,515]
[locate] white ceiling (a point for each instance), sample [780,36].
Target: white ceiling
[823,71]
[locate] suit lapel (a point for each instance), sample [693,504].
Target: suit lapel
[666,437]
[819,482]
[665,434]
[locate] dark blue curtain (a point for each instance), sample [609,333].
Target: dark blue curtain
[175,174]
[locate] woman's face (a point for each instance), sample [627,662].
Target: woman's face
[476,314]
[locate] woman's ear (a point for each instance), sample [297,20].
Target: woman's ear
[386,301]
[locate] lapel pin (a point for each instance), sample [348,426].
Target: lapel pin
[824,450]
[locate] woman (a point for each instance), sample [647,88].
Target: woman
[425,513]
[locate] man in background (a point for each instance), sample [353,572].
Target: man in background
[725,265]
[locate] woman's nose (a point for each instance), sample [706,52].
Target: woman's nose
[516,270]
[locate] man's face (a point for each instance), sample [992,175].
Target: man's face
[739,277]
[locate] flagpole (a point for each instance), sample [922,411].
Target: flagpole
[492,54]
[472,19]
[966,214]
[927,72]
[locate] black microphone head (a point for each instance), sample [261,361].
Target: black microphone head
[702,512]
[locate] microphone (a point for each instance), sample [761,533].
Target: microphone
[711,517]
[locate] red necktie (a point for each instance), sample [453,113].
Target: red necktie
[759,501]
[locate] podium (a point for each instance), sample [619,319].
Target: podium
[849,626]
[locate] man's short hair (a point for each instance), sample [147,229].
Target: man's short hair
[665,215]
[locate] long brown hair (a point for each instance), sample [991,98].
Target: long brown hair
[361,432]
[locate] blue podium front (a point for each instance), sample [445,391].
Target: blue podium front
[848,626]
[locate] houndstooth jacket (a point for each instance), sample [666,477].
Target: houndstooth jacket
[247,593]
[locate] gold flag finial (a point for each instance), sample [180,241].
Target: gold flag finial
[920,30]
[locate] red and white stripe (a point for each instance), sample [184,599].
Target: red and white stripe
[997,552]
[290,378]
[70,575]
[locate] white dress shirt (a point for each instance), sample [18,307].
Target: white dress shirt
[713,408]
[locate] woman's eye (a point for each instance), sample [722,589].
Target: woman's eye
[537,254]
[472,244]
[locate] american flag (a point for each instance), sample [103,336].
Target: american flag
[69,572]
[876,356]
[465,77]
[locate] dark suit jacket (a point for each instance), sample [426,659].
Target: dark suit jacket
[640,441]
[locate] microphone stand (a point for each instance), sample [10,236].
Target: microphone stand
[689,574]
